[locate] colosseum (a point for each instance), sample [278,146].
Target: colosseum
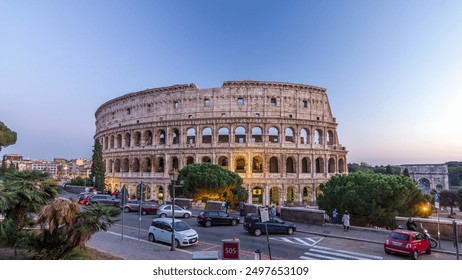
[279,137]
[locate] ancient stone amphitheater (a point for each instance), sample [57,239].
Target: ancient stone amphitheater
[279,137]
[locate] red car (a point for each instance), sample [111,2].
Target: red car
[408,243]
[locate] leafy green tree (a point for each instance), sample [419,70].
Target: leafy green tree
[210,180]
[7,136]
[448,198]
[459,199]
[97,167]
[372,199]
[22,193]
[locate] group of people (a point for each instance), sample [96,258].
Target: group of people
[345,219]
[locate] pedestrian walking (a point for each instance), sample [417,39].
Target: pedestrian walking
[346,221]
[278,210]
[227,204]
[241,208]
[335,216]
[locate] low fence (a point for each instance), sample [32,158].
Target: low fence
[445,227]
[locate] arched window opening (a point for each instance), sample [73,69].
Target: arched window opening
[176,137]
[289,135]
[148,137]
[206,159]
[330,138]
[147,166]
[189,160]
[290,165]
[191,136]
[275,196]
[341,166]
[304,136]
[257,195]
[239,135]
[291,195]
[318,137]
[119,141]
[274,165]
[257,165]
[136,165]
[112,142]
[162,140]
[137,138]
[223,162]
[161,165]
[240,165]
[223,135]
[331,166]
[127,140]
[273,135]
[319,165]
[207,135]
[257,134]
[125,165]
[306,165]
[175,163]
[117,165]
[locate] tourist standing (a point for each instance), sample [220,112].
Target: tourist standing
[346,221]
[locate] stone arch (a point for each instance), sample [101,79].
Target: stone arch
[160,164]
[330,138]
[290,165]
[307,195]
[257,195]
[147,164]
[127,139]
[273,134]
[191,136]
[162,137]
[125,165]
[117,165]
[274,165]
[112,142]
[306,165]
[175,136]
[331,166]
[304,136]
[319,165]
[318,138]
[175,163]
[257,164]
[137,138]
[239,134]
[240,165]
[223,135]
[189,160]
[291,195]
[275,195]
[119,140]
[424,185]
[147,138]
[206,159]
[257,134]
[207,135]
[136,165]
[223,162]
[341,166]
[289,135]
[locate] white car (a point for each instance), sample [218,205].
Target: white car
[161,230]
[166,211]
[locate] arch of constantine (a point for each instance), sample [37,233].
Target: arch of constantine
[429,176]
[280,138]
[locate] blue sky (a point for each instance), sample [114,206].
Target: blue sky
[392,69]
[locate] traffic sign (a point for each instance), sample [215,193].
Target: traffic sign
[230,249]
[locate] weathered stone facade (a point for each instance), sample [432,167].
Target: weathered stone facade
[429,176]
[280,138]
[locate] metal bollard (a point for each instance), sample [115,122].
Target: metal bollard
[258,254]
[456,238]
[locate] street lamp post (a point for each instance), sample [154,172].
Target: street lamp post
[173,180]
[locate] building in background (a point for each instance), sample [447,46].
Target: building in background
[281,138]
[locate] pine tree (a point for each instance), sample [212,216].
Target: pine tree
[97,167]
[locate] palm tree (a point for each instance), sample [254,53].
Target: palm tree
[65,227]
[22,193]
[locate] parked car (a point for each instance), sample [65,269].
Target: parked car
[408,243]
[84,195]
[166,211]
[146,207]
[275,224]
[104,199]
[214,217]
[161,230]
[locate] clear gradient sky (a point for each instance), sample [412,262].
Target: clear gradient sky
[392,69]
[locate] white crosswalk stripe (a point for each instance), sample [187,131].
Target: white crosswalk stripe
[326,253]
[316,252]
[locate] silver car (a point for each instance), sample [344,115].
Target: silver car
[166,211]
[161,230]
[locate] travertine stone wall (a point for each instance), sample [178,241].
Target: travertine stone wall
[281,138]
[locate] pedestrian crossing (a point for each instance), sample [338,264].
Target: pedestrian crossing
[326,253]
[317,252]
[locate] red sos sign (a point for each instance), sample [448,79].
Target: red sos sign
[231,249]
